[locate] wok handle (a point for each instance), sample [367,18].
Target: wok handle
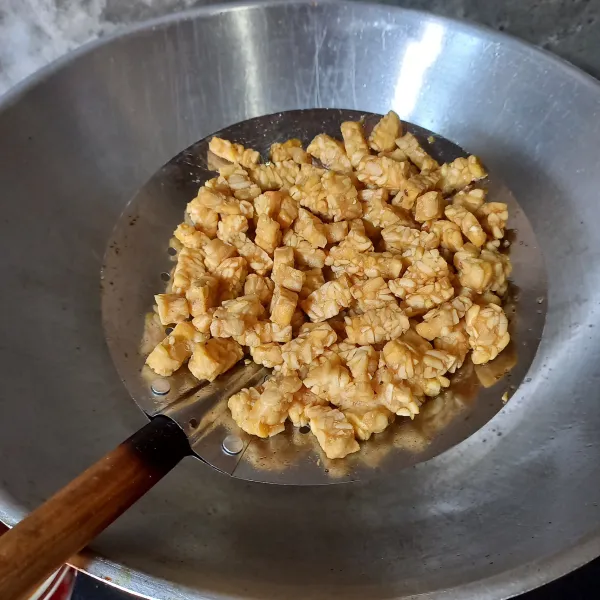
[64,524]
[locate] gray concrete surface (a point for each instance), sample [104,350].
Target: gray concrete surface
[35,32]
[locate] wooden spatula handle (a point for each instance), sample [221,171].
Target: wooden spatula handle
[63,525]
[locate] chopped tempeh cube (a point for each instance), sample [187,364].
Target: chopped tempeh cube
[289,171]
[311,228]
[266,177]
[231,226]
[341,197]
[442,320]
[419,364]
[268,355]
[302,400]
[362,362]
[398,398]
[261,287]
[231,274]
[289,150]
[288,211]
[333,431]
[202,325]
[268,204]
[233,317]
[173,351]
[472,200]
[410,147]
[268,234]
[215,252]
[380,213]
[258,260]
[425,283]
[203,295]
[329,378]
[473,272]
[190,267]
[383,172]
[384,134]
[460,173]
[264,332]
[370,264]
[468,223]
[328,300]
[354,141]
[220,203]
[284,273]
[310,344]
[425,267]
[278,206]
[288,277]
[235,153]
[336,232]
[449,235]
[429,206]
[308,189]
[330,152]
[214,357]
[204,219]
[283,257]
[493,217]
[313,280]
[172,308]
[367,421]
[419,298]
[415,187]
[487,328]
[218,184]
[241,186]
[501,269]
[262,412]
[372,293]
[356,242]
[398,237]
[400,156]
[191,237]
[376,325]
[357,237]
[283,306]
[305,254]
[455,342]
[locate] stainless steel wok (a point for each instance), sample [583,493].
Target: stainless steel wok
[510,508]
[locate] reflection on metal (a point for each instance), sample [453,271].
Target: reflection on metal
[419,55]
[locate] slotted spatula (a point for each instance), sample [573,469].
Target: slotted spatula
[189,418]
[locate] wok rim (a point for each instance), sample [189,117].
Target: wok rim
[507,584]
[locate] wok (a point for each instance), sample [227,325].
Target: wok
[513,506]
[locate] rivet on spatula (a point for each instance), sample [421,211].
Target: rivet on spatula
[160,387]
[233,445]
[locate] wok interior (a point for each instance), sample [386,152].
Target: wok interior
[137,255]
[494,515]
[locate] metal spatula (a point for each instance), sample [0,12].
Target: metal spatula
[188,417]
